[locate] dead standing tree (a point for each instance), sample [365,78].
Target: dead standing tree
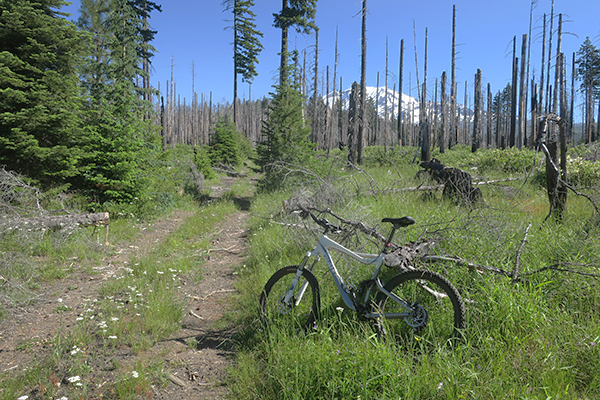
[353,124]
[555,174]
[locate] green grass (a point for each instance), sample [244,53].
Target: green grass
[141,307]
[534,339]
[538,338]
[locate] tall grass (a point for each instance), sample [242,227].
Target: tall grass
[534,338]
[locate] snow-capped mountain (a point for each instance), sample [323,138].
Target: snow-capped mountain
[410,105]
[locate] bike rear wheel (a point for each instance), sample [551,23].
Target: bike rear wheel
[438,312]
[302,310]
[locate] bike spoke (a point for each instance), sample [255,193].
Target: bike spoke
[436,311]
[302,307]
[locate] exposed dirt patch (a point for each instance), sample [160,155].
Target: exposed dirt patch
[194,371]
[198,372]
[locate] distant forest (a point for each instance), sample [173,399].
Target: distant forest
[78,109]
[500,119]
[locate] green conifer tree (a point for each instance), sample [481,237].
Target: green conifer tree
[40,133]
[224,146]
[246,43]
[92,17]
[294,13]
[588,72]
[119,139]
[285,130]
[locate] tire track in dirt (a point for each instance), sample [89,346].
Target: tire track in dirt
[197,356]
[202,351]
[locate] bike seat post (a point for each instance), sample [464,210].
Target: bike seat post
[388,242]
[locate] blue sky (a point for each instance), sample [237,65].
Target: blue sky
[194,31]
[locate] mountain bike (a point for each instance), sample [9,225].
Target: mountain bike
[414,303]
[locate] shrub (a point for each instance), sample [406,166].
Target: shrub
[203,161]
[225,147]
[583,173]
[285,136]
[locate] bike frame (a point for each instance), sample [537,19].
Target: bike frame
[322,250]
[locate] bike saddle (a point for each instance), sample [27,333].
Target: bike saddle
[400,222]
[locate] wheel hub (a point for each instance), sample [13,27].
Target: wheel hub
[417,317]
[283,307]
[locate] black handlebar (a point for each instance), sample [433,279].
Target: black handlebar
[323,222]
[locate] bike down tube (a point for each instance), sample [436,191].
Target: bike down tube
[393,297]
[326,243]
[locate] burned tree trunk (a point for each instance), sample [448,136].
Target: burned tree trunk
[458,184]
[353,128]
[444,111]
[555,178]
[477,114]
[362,129]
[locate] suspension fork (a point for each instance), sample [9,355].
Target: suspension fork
[302,289]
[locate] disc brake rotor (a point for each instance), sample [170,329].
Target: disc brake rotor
[417,317]
[282,307]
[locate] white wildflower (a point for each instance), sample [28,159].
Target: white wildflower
[74,379]
[135,374]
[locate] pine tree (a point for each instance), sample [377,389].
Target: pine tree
[92,16]
[40,133]
[285,131]
[298,13]
[246,45]
[143,8]
[588,71]
[224,147]
[118,137]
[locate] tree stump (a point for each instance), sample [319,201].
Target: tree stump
[458,184]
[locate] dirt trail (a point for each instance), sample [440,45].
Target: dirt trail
[199,373]
[194,372]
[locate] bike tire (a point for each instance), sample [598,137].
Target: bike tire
[302,315]
[444,316]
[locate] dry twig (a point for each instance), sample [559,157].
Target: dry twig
[518,260]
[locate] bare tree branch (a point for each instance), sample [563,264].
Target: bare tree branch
[518,260]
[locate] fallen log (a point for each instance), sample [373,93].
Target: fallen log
[230,173]
[441,186]
[55,222]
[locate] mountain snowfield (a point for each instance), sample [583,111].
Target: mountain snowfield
[410,105]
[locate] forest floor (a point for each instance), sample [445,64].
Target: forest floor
[194,372]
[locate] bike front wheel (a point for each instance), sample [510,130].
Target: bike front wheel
[301,310]
[436,314]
